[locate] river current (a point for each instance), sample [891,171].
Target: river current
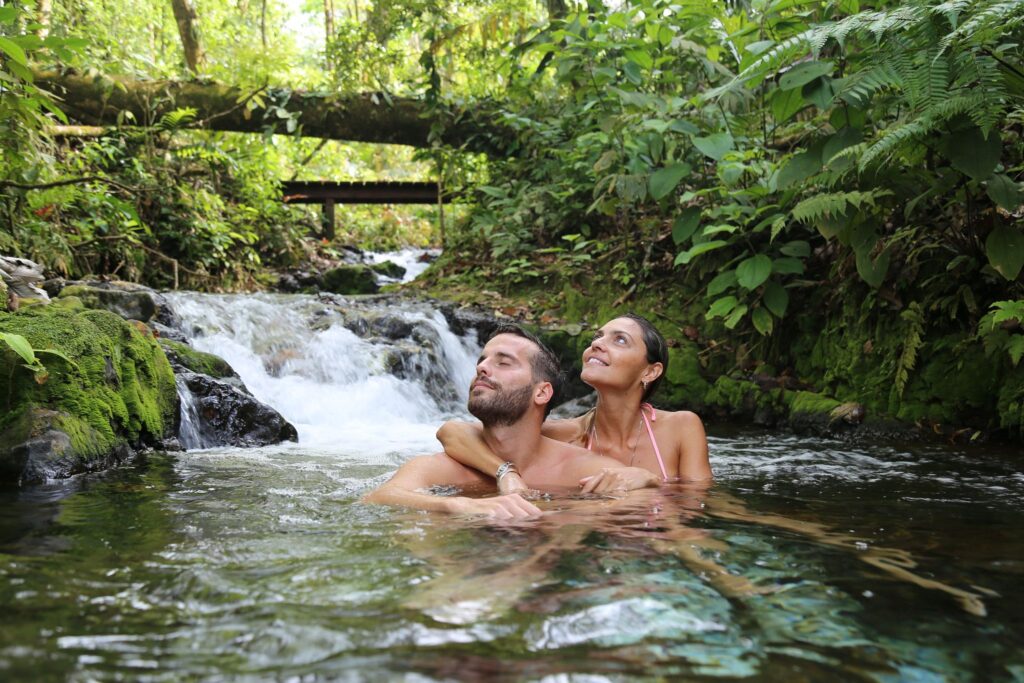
[807,560]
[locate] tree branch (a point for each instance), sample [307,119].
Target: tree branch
[68,181]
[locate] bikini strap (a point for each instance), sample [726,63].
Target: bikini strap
[650,432]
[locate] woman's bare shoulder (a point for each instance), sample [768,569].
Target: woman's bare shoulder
[568,430]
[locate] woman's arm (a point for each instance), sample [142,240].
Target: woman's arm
[694,464]
[464,442]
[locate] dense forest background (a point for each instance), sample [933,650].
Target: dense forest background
[805,194]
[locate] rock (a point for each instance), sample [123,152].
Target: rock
[3,296]
[229,417]
[165,332]
[183,358]
[389,269]
[351,279]
[129,300]
[114,395]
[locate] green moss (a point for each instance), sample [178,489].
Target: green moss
[353,279]
[808,402]
[3,296]
[684,385]
[121,392]
[388,268]
[197,361]
[126,299]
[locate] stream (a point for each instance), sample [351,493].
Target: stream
[808,559]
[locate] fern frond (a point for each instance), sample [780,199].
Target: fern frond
[176,119]
[833,204]
[914,317]
[892,139]
[995,19]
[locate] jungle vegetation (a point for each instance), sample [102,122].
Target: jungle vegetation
[735,166]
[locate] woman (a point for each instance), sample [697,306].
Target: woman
[624,363]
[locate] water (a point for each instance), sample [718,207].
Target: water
[808,560]
[415,261]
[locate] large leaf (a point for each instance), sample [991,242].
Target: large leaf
[737,314]
[698,249]
[13,51]
[1004,192]
[785,103]
[714,146]
[776,298]
[804,73]
[752,272]
[873,271]
[641,57]
[685,224]
[721,307]
[664,180]
[20,346]
[788,266]
[1005,250]
[721,282]
[763,322]
[799,167]
[972,153]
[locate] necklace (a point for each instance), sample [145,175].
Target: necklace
[592,437]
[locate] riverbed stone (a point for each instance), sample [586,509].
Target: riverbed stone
[389,269]
[111,392]
[230,417]
[350,279]
[127,299]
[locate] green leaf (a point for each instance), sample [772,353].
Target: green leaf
[1015,347]
[788,266]
[800,167]
[1004,192]
[752,272]
[20,346]
[972,153]
[797,248]
[776,298]
[685,225]
[721,282]
[714,146]
[13,51]
[641,57]
[736,315]
[1005,250]
[664,180]
[55,352]
[721,307]
[8,14]
[804,73]
[633,72]
[684,126]
[763,322]
[873,271]
[786,103]
[698,249]
[820,93]
[847,137]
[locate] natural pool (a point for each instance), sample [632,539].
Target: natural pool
[807,560]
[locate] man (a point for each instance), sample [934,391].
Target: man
[517,379]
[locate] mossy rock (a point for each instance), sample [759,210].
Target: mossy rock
[683,386]
[188,358]
[351,279]
[127,299]
[117,394]
[3,296]
[389,269]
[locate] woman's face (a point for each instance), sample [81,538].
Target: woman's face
[617,356]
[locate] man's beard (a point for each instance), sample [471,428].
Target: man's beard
[504,407]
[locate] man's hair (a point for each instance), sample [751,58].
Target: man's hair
[544,362]
[657,348]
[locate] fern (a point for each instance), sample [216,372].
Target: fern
[914,317]
[177,119]
[833,204]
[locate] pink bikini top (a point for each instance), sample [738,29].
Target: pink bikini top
[650,432]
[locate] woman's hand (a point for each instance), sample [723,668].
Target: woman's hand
[618,479]
[512,483]
[511,506]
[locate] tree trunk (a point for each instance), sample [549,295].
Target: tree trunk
[44,11]
[328,30]
[364,117]
[186,17]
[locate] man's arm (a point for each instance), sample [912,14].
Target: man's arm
[598,473]
[433,470]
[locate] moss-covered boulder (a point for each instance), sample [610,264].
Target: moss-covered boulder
[351,279]
[389,269]
[185,358]
[127,299]
[116,394]
[684,386]
[3,296]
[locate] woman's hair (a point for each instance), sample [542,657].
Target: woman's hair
[657,348]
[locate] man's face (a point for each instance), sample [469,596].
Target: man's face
[502,390]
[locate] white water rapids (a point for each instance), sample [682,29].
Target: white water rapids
[386,391]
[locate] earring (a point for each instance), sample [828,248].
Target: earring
[644,382]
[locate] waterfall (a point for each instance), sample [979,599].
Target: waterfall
[352,375]
[188,433]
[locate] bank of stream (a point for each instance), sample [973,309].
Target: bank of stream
[808,559]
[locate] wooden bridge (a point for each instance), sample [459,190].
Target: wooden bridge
[328,193]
